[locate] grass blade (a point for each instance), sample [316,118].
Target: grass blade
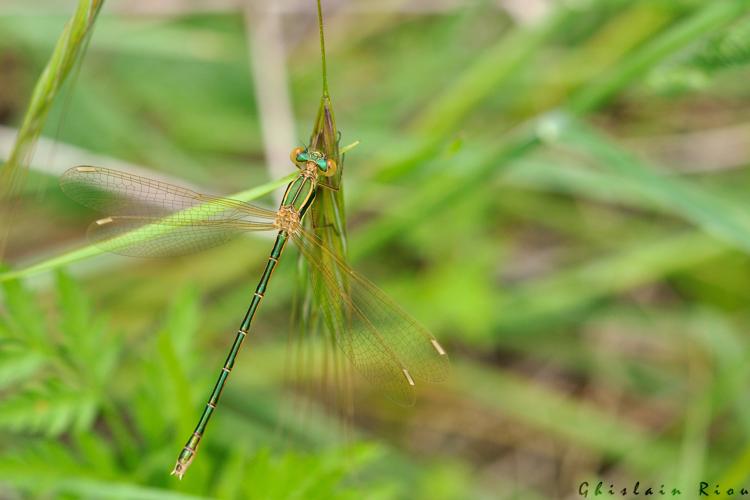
[715,215]
[69,50]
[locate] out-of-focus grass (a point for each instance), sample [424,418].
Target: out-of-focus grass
[69,49]
[592,296]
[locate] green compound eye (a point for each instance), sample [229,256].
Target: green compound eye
[296,155]
[330,168]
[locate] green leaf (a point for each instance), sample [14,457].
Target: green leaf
[50,409]
[75,321]
[173,345]
[23,319]
[303,476]
[17,364]
[181,324]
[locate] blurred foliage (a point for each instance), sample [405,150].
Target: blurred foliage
[68,51]
[57,381]
[562,201]
[724,51]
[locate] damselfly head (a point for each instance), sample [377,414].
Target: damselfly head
[326,166]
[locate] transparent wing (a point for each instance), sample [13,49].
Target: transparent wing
[383,342]
[119,193]
[148,237]
[149,218]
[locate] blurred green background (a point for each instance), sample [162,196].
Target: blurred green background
[557,190]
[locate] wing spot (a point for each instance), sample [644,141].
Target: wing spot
[408,376]
[104,221]
[438,347]
[85,169]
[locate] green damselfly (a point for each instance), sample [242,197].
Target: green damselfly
[152,218]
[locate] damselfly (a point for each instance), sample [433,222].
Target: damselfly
[152,218]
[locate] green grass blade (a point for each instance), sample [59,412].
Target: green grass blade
[439,194]
[548,301]
[68,51]
[487,75]
[715,215]
[713,16]
[580,423]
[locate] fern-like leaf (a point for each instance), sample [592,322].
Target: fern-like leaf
[698,65]
[730,48]
[48,409]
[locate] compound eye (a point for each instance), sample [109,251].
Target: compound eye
[295,155]
[330,168]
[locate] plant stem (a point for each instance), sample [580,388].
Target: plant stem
[322,50]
